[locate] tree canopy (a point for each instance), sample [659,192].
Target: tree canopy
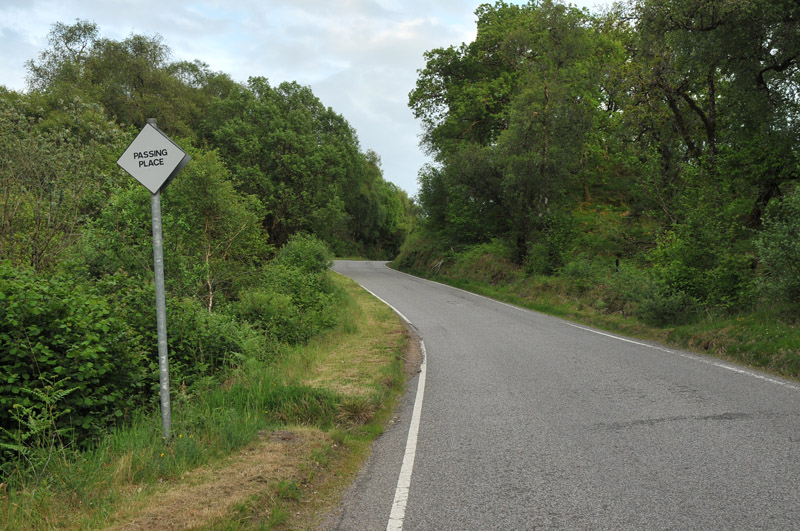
[680,115]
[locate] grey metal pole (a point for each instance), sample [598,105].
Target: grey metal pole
[161,311]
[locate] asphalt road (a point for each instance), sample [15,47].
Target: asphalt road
[530,422]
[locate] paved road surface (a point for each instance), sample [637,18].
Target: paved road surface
[530,422]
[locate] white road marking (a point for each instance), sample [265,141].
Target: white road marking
[398,513]
[695,358]
[403,317]
[654,347]
[662,349]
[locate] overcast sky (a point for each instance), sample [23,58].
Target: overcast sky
[360,57]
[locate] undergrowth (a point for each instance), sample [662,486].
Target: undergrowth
[623,295]
[84,488]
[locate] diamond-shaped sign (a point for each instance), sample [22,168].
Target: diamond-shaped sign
[152,158]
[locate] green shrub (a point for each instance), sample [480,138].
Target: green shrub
[627,287]
[548,250]
[273,313]
[422,252]
[583,273]
[199,342]
[779,250]
[202,343]
[698,258]
[306,253]
[661,307]
[291,304]
[57,337]
[487,262]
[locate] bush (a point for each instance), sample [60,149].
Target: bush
[583,273]
[779,250]
[273,313]
[59,339]
[662,307]
[486,262]
[306,253]
[699,259]
[291,304]
[548,250]
[627,288]
[201,343]
[422,252]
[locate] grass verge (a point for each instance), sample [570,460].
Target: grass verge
[272,448]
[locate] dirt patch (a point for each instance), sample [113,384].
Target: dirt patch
[207,494]
[412,355]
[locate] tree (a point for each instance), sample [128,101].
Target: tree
[63,65]
[509,117]
[216,229]
[302,160]
[132,79]
[544,146]
[728,73]
[53,176]
[286,148]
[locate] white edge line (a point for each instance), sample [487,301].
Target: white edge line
[714,363]
[654,347]
[398,514]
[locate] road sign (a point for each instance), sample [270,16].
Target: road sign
[152,158]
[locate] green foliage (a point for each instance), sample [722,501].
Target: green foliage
[779,250]
[302,161]
[701,259]
[380,215]
[663,306]
[54,336]
[37,426]
[509,118]
[487,262]
[552,244]
[216,239]
[291,306]
[298,159]
[294,299]
[273,313]
[286,148]
[132,79]
[120,237]
[423,251]
[678,120]
[274,174]
[214,243]
[203,343]
[46,191]
[306,253]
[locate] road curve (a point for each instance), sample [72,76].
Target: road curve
[530,422]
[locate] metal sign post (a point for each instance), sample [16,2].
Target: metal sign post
[154,160]
[161,315]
